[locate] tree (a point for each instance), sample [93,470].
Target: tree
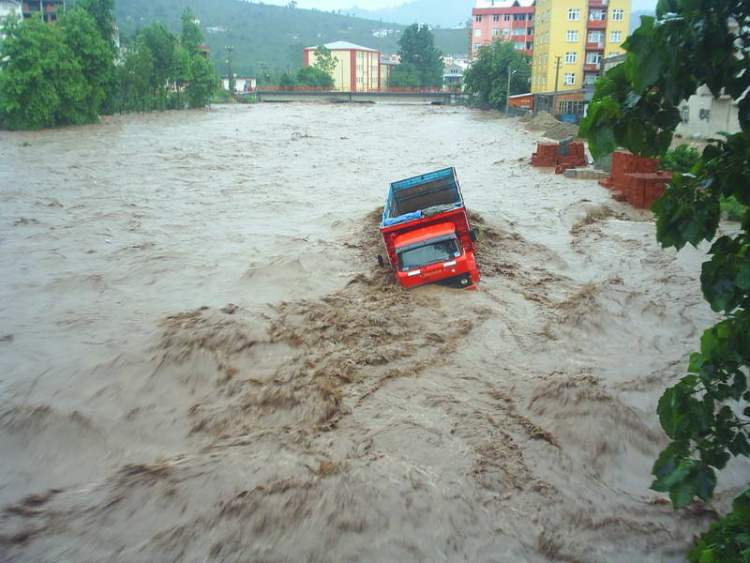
[102,12]
[324,60]
[287,81]
[705,415]
[94,54]
[41,81]
[404,75]
[203,84]
[315,77]
[135,91]
[487,77]
[191,37]
[417,48]
[163,47]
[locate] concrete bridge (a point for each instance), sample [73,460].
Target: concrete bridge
[437,98]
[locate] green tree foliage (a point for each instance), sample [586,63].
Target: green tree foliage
[324,60]
[103,13]
[487,77]
[203,83]
[417,48]
[95,55]
[287,81]
[160,72]
[41,80]
[404,75]
[680,159]
[157,40]
[191,37]
[134,91]
[272,37]
[314,77]
[705,415]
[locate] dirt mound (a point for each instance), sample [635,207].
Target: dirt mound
[551,127]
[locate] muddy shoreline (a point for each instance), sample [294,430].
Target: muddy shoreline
[202,360]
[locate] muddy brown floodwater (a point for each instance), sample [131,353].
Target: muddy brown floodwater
[201,361]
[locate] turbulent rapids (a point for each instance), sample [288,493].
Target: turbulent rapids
[202,360]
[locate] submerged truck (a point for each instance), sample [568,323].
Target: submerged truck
[427,234]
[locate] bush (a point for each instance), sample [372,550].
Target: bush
[732,209]
[315,77]
[681,159]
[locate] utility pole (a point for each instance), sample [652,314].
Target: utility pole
[230,73]
[507,95]
[557,85]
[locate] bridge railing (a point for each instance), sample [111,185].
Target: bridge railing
[423,91]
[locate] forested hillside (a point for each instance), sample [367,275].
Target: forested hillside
[271,38]
[445,13]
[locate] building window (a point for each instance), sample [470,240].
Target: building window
[590,79]
[478,19]
[596,37]
[618,15]
[570,79]
[506,17]
[519,46]
[615,36]
[574,14]
[477,33]
[495,32]
[519,31]
[571,36]
[529,31]
[496,18]
[685,114]
[571,57]
[477,46]
[593,58]
[597,15]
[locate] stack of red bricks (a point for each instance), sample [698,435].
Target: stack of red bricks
[549,155]
[636,179]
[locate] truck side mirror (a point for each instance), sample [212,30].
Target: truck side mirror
[473,235]
[381,261]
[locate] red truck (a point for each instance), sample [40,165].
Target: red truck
[427,234]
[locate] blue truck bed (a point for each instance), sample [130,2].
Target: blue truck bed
[424,195]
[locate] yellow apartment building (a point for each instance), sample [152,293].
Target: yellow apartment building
[357,68]
[575,35]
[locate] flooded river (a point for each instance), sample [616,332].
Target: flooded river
[201,361]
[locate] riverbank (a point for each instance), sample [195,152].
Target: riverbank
[202,359]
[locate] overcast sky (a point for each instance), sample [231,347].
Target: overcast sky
[375,4]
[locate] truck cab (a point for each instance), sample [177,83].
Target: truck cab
[426,232]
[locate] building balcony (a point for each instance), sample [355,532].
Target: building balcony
[597,24]
[595,46]
[591,67]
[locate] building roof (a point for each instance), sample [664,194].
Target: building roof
[344,46]
[503,3]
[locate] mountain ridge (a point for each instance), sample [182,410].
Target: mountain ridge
[270,39]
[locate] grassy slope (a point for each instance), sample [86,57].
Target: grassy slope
[270,37]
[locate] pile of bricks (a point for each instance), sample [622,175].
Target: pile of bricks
[550,155]
[636,179]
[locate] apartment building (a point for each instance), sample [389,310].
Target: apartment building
[508,20]
[50,9]
[357,68]
[572,37]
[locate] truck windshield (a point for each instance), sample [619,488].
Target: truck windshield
[416,256]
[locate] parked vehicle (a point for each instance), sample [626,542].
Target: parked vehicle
[427,234]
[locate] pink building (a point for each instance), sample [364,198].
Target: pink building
[503,20]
